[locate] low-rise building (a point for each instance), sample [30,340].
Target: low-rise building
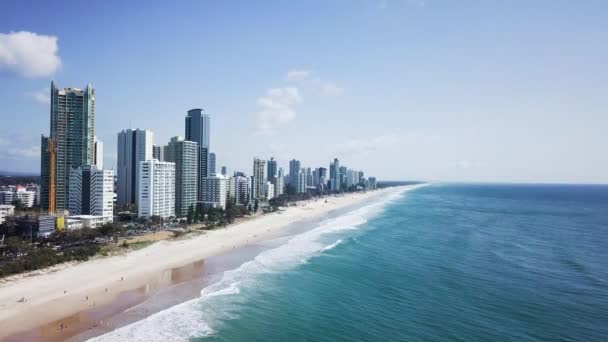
[6,210]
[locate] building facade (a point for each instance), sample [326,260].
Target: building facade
[98,153]
[294,170]
[156,189]
[257,187]
[158,152]
[215,191]
[70,144]
[185,156]
[198,129]
[239,187]
[92,192]
[134,146]
[211,164]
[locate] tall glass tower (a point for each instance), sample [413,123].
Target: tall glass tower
[198,128]
[70,145]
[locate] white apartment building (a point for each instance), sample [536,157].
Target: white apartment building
[98,153]
[92,192]
[269,190]
[26,197]
[301,182]
[6,210]
[239,189]
[214,191]
[156,189]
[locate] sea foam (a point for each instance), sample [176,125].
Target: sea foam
[197,317]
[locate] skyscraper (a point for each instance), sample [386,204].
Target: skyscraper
[98,153]
[258,179]
[134,146]
[211,164]
[271,168]
[157,189]
[294,170]
[279,184]
[198,129]
[334,175]
[185,155]
[70,144]
[239,189]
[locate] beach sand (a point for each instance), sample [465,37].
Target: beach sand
[78,295]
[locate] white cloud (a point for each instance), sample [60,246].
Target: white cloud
[276,108]
[330,89]
[361,146]
[297,75]
[29,54]
[42,96]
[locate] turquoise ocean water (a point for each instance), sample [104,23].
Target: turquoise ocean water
[439,263]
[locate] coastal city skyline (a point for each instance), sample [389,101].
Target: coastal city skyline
[445,119]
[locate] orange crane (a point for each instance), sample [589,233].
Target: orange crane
[52,150]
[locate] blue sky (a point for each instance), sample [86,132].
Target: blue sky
[422,89]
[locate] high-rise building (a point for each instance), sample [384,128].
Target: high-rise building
[279,183]
[372,182]
[211,164]
[294,170]
[342,176]
[334,175]
[92,192]
[98,153]
[269,190]
[271,170]
[308,176]
[301,183]
[198,129]
[158,152]
[257,192]
[185,156]
[215,190]
[70,144]
[156,189]
[134,146]
[239,189]
[224,171]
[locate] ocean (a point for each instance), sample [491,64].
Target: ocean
[443,262]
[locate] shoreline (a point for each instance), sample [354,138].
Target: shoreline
[100,282]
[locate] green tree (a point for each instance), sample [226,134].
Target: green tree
[190,216]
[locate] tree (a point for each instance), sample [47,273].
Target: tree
[255,206]
[19,206]
[190,216]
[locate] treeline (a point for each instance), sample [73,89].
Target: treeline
[216,216]
[18,255]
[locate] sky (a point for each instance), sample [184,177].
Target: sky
[452,90]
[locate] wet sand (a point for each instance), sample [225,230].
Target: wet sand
[140,294]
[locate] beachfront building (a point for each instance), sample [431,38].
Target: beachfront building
[70,144]
[185,156]
[98,153]
[198,129]
[372,182]
[301,182]
[294,170]
[92,192]
[279,183]
[257,188]
[334,175]
[239,189]
[156,189]
[215,190]
[134,146]
[269,193]
[271,170]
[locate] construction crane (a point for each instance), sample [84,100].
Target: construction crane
[52,151]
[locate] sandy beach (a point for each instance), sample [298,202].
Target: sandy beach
[62,292]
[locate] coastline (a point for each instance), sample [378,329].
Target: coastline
[120,282]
